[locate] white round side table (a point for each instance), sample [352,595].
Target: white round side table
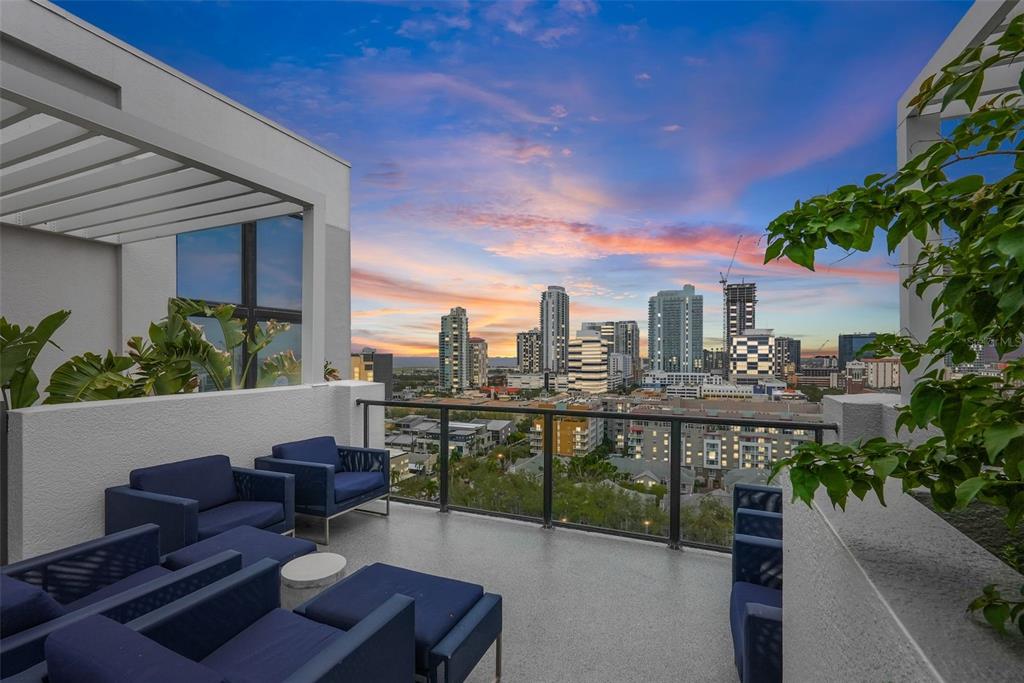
[304,577]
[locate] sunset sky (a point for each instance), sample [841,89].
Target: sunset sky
[615,149]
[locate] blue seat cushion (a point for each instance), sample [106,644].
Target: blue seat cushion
[272,648]
[23,606]
[744,593]
[136,579]
[208,480]
[100,650]
[257,513]
[253,544]
[321,449]
[354,484]
[440,602]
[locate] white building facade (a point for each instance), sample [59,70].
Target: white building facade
[453,369]
[554,330]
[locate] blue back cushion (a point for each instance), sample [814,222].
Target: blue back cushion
[100,650]
[208,480]
[321,449]
[23,606]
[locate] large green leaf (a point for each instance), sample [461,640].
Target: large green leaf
[19,349]
[90,377]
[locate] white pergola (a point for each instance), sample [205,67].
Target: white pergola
[78,166]
[918,128]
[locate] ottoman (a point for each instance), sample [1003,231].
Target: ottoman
[455,621]
[254,545]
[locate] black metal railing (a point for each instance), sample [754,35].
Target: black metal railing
[548,520]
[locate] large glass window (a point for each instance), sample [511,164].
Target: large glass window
[257,267]
[279,262]
[210,264]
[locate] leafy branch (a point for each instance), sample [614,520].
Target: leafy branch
[977,279]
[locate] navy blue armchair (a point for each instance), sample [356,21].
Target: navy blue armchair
[755,614]
[118,576]
[759,523]
[235,630]
[192,500]
[756,497]
[331,480]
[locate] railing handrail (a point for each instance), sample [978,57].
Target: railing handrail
[676,421]
[606,415]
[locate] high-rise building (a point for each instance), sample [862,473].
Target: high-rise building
[453,351]
[715,361]
[528,351]
[588,362]
[850,344]
[787,356]
[752,356]
[623,336]
[675,330]
[739,304]
[620,371]
[371,366]
[554,330]
[477,362]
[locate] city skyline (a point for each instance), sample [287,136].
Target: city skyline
[618,150]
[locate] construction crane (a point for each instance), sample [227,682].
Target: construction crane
[725,276]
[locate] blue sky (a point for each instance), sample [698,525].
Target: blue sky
[616,149]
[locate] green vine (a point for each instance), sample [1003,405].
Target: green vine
[977,277]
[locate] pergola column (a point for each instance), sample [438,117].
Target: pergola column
[314,293]
[914,135]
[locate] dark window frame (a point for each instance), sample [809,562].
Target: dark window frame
[249,310]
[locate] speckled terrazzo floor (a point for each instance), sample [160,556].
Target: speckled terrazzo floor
[577,606]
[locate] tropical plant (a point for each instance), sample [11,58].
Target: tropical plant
[972,257]
[19,348]
[281,365]
[169,361]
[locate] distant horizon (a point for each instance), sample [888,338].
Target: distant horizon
[614,149]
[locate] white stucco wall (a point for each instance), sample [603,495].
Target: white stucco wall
[63,457]
[878,593]
[42,273]
[148,280]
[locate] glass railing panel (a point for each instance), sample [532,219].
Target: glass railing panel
[491,466]
[412,436]
[599,483]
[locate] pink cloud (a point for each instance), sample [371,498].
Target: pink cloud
[412,87]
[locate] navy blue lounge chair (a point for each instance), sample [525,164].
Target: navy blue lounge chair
[192,500]
[331,480]
[234,630]
[118,576]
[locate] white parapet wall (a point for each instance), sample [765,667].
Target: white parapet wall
[878,593]
[62,457]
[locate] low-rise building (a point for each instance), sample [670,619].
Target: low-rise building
[573,436]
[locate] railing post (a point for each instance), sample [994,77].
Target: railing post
[549,475]
[819,435]
[675,465]
[443,460]
[366,426]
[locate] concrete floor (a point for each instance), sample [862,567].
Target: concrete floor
[577,606]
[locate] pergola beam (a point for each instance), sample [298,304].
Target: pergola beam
[163,183]
[194,196]
[88,156]
[246,200]
[43,140]
[115,175]
[212,221]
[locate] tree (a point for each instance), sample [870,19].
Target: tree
[709,521]
[972,231]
